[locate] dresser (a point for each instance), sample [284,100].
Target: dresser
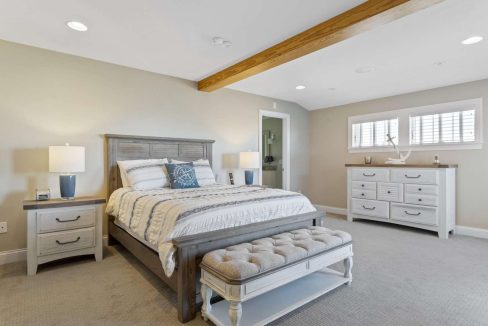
[421,196]
[63,228]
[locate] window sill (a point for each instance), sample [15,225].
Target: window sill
[418,148]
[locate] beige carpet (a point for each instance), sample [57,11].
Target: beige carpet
[401,277]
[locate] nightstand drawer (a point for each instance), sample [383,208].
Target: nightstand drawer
[51,243]
[65,219]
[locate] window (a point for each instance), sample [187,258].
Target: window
[444,128]
[455,125]
[374,133]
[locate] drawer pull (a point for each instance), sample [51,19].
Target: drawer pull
[369,208]
[362,194]
[420,189]
[420,199]
[409,177]
[412,214]
[72,220]
[388,192]
[362,185]
[369,175]
[68,242]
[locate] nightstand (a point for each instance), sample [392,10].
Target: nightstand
[63,228]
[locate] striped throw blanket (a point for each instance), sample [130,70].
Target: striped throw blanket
[155,217]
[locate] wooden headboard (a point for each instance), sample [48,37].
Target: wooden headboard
[123,147]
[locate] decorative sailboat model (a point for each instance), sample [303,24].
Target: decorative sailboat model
[401,158]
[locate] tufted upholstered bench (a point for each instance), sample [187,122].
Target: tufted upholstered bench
[273,276]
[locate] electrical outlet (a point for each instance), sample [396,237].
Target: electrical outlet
[3,227]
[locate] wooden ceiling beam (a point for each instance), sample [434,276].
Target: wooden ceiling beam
[366,16]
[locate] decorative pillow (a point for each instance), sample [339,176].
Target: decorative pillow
[203,171]
[144,174]
[182,176]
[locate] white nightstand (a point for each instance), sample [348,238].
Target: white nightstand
[63,228]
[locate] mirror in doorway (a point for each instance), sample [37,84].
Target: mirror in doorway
[272,154]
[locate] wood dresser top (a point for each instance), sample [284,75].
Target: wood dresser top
[56,203]
[423,166]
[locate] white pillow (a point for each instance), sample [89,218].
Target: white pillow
[144,174]
[203,172]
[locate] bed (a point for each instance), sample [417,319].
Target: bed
[184,247]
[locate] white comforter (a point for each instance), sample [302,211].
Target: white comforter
[157,216]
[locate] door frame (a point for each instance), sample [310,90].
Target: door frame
[286,145]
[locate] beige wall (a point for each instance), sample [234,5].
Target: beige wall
[48,98]
[328,150]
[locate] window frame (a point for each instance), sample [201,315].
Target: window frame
[403,116]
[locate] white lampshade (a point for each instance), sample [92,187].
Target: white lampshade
[249,160]
[66,159]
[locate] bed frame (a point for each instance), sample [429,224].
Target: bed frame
[185,281]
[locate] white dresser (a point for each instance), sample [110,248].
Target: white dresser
[421,196]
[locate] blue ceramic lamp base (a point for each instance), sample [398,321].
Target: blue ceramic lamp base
[67,185]
[249,176]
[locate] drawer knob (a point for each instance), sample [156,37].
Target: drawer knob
[362,194]
[362,186]
[420,199]
[72,220]
[413,214]
[369,208]
[410,177]
[67,242]
[369,175]
[420,189]
[388,192]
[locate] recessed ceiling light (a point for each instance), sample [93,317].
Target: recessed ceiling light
[365,70]
[472,40]
[331,89]
[440,63]
[77,26]
[219,41]
[300,87]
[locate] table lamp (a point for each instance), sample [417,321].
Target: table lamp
[249,161]
[67,160]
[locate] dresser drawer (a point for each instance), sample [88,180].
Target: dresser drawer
[364,194]
[370,207]
[428,177]
[426,200]
[421,189]
[65,219]
[51,243]
[414,214]
[390,192]
[370,175]
[364,185]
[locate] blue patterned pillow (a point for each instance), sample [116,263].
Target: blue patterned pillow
[182,176]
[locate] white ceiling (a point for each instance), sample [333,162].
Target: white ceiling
[404,54]
[173,37]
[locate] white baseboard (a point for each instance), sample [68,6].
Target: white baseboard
[333,210]
[12,256]
[472,232]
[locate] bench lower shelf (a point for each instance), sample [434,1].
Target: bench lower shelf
[278,302]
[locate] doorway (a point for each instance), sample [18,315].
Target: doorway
[274,149]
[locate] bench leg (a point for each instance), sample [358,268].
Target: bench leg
[348,269]
[206,296]
[235,313]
